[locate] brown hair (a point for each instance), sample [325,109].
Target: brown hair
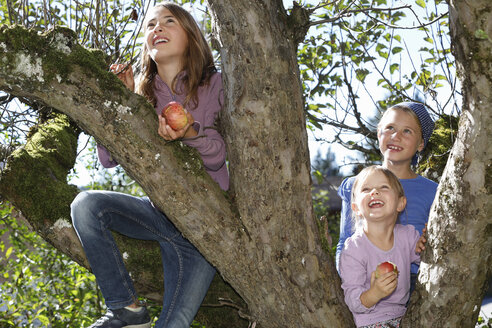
[198,62]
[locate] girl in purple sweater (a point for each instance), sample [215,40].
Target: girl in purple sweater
[378,300]
[177,65]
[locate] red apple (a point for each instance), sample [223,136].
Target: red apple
[385,267]
[175,115]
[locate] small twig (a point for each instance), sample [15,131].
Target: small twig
[346,13]
[242,312]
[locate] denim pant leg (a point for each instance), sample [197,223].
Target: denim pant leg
[187,277]
[94,215]
[187,274]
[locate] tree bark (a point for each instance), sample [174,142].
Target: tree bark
[265,242]
[265,132]
[457,263]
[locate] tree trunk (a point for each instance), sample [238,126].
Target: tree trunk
[265,242]
[270,170]
[457,263]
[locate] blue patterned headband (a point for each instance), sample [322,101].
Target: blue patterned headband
[426,122]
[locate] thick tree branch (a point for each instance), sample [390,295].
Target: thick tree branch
[34,179]
[75,81]
[458,260]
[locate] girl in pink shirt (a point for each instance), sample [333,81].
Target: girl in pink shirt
[177,66]
[378,300]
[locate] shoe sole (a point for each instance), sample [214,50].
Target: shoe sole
[143,325]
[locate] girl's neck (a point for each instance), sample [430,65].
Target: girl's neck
[380,234]
[402,170]
[167,72]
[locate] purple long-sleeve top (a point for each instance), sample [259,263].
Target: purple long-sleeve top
[208,142]
[360,257]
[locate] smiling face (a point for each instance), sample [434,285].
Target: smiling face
[165,39]
[377,196]
[400,136]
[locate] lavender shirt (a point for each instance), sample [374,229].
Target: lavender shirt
[209,142]
[360,257]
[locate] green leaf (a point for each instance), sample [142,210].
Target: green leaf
[429,40]
[9,251]
[319,176]
[423,78]
[44,319]
[439,77]
[421,3]
[394,67]
[396,50]
[361,74]
[481,34]
[380,47]
[383,54]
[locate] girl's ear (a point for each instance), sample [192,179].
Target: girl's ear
[402,202]
[355,209]
[421,145]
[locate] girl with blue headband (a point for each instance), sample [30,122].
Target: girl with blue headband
[403,132]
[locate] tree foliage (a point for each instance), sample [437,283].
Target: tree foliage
[361,58]
[351,47]
[41,287]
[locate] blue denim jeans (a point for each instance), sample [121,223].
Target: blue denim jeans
[187,275]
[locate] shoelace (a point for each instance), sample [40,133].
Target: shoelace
[105,318]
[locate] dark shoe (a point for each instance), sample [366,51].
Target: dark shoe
[123,318]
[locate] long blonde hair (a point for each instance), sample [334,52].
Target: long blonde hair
[198,63]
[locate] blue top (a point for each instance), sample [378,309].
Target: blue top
[420,193]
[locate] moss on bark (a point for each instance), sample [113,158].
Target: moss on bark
[436,153]
[35,176]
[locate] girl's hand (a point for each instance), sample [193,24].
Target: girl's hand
[421,242]
[385,284]
[380,288]
[125,74]
[169,134]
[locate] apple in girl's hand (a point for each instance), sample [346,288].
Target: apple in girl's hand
[385,267]
[175,115]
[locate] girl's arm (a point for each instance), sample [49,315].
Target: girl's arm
[421,242]
[416,243]
[208,140]
[211,147]
[354,276]
[105,157]
[344,192]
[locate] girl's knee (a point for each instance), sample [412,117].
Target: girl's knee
[81,206]
[85,199]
